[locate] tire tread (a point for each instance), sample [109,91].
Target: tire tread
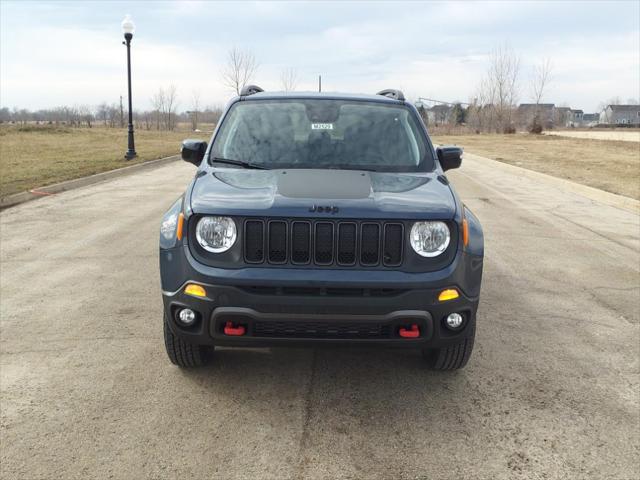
[452,357]
[181,353]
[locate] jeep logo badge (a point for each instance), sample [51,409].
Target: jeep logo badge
[321,209]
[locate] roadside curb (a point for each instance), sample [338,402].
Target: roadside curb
[18,198]
[611,199]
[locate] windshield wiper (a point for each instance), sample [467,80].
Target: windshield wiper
[239,163]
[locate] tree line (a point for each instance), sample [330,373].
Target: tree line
[163,115]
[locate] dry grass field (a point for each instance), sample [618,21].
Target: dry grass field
[34,156]
[609,165]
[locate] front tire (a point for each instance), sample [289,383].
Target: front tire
[184,354]
[451,357]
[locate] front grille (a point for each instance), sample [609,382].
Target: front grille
[322,242]
[335,330]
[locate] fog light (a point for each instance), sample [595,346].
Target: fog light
[454,321]
[187,316]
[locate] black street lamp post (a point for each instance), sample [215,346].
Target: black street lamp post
[128,28]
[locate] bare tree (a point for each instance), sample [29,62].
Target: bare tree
[481,110]
[502,76]
[240,68]
[85,114]
[5,115]
[158,101]
[171,104]
[147,117]
[540,80]
[195,108]
[102,112]
[539,83]
[497,93]
[289,79]
[113,113]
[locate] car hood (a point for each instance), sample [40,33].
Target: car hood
[309,192]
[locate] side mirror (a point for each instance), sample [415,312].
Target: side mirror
[449,157]
[192,151]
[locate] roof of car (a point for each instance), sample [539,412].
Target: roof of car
[321,95]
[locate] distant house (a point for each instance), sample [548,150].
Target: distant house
[561,116]
[590,119]
[575,118]
[439,114]
[527,112]
[620,115]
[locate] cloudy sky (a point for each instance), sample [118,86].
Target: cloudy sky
[57,53]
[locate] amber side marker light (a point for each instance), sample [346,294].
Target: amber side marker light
[465,232]
[448,294]
[179,227]
[195,290]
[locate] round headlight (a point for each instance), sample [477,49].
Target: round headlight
[216,234]
[430,239]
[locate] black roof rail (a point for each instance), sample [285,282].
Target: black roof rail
[391,93]
[250,90]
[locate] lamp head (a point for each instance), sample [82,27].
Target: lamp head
[128,27]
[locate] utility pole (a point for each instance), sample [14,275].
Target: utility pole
[319,83]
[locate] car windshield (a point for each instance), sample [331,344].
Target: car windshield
[312,133]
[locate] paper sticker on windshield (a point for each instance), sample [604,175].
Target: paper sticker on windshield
[322,126]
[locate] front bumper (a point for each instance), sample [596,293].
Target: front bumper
[313,306]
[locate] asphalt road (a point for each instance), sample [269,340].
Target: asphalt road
[552,390]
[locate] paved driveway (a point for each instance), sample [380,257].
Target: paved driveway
[551,391]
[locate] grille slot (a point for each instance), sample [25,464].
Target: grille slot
[254,241]
[370,244]
[347,243]
[393,241]
[338,330]
[323,242]
[277,242]
[301,242]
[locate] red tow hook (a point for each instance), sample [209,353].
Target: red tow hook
[232,331]
[411,332]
